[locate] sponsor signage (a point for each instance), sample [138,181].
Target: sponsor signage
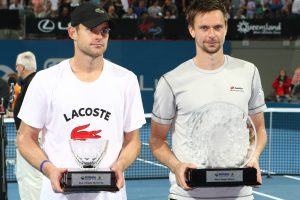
[262,28]
[245,27]
[122,28]
[47,26]
[171,29]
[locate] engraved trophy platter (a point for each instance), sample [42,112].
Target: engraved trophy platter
[222,140]
[88,154]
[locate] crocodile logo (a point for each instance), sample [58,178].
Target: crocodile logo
[78,133]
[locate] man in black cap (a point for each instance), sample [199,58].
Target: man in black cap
[84,98]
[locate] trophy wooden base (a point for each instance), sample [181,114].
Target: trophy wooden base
[89,181]
[221,177]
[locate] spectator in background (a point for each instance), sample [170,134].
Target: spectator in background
[237,5]
[38,8]
[296,86]
[141,8]
[29,179]
[130,3]
[267,9]
[282,87]
[112,12]
[64,8]
[119,9]
[3,4]
[276,6]
[169,15]
[16,5]
[250,9]
[259,11]
[239,14]
[296,8]
[155,10]
[4,93]
[228,5]
[170,7]
[47,9]
[65,12]
[286,8]
[105,4]
[13,84]
[129,14]
[54,7]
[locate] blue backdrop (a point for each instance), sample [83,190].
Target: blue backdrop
[147,59]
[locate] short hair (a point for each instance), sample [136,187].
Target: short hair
[27,59]
[204,6]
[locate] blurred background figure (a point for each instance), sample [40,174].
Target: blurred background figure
[250,9]
[296,86]
[129,14]
[3,4]
[141,8]
[16,5]
[154,10]
[119,9]
[112,12]
[14,90]
[4,94]
[29,179]
[37,7]
[169,15]
[286,8]
[296,8]
[239,14]
[170,7]
[282,87]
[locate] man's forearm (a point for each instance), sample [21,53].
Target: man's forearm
[130,150]
[30,150]
[163,153]
[261,143]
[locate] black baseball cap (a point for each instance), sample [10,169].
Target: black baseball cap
[89,15]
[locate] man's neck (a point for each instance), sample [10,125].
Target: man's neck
[209,61]
[87,70]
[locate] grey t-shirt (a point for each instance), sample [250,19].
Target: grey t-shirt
[183,91]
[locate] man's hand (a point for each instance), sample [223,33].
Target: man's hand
[179,170]
[119,175]
[254,162]
[55,175]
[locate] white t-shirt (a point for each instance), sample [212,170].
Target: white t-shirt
[57,102]
[183,91]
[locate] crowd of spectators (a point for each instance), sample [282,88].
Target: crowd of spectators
[158,9]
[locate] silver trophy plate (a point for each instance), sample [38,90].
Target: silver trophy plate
[222,140]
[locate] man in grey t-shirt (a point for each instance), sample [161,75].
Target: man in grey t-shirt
[208,77]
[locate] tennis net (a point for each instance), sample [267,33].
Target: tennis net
[281,155]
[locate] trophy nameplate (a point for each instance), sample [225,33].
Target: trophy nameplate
[222,140]
[221,177]
[89,181]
